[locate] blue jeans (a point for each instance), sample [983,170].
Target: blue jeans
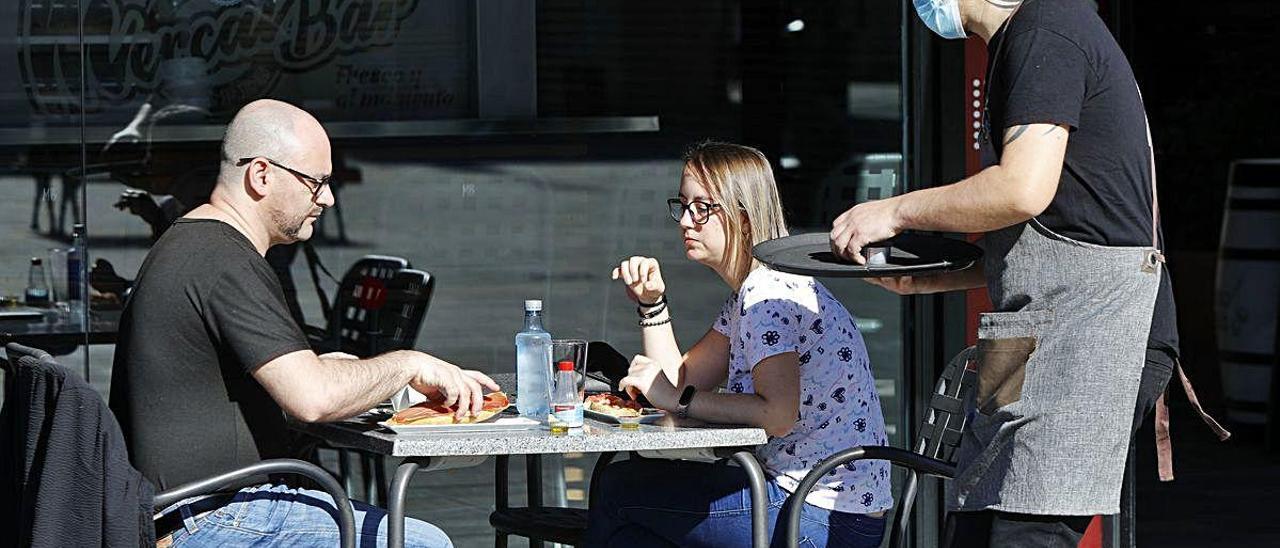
[277,515]
[653,503]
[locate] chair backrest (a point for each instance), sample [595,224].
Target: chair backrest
[944,423]
[10,419]
[400,319]
[16,351]
[940,433]
[13,353]
[49,410]
[361,295]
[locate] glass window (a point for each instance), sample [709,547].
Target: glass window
[43,304]
[512,150]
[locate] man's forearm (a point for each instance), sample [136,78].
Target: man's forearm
[355,386]
[989,200]
[969,278]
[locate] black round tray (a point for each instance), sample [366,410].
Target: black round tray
[909,254]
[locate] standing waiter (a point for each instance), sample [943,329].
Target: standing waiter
[1073,265]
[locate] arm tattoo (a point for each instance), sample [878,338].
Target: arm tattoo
[1014,133]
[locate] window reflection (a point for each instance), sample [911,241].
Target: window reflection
[513,152]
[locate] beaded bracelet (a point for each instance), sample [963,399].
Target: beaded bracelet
[652,313]
[655,324]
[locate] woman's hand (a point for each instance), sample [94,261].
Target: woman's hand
[643,279]
[645,377]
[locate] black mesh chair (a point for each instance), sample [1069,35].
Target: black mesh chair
[354,324]
[934,453]
[395,327]
[25,367]
[379,307]
[400,319]
[534,521]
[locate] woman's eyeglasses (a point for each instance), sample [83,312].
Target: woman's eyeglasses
[700,212]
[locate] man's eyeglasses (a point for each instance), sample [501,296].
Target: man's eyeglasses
[700,212]
[316,186]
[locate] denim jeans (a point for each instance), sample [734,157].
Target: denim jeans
[654,503]
[277,515]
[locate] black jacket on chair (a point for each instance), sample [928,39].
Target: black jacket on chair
[67,480]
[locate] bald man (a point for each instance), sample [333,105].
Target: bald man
[209,360]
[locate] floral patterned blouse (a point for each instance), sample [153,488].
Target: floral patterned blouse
[775,312]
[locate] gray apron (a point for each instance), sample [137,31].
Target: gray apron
[1059,364]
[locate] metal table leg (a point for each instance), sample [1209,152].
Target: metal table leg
[396,498]
[366,478]
[759,501]
[533,474]
[380,477]
[344,472]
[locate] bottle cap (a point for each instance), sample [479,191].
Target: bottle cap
[35,261]
[564,365]
[533,305]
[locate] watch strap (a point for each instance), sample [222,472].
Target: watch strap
[686,397]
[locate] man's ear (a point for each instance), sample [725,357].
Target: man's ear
[255,180]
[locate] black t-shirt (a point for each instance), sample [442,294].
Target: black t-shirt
[1055,62]
[206,312]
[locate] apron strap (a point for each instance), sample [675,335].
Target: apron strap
[1155,201]
[1151,153]
[1164,445]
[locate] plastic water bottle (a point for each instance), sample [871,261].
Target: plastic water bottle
[566,404]
[533,364]
[75,269]
[37,293]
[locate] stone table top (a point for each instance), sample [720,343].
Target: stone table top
[667,434]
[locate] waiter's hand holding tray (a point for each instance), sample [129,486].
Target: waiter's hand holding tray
[907,254]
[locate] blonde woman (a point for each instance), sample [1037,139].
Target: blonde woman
[791,360]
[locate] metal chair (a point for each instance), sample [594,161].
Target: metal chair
[400,319]
[396,327]
[536,522]
[353,324]
[934,453]
[380,306]
[25,365]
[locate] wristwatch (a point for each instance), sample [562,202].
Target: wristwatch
[686,397]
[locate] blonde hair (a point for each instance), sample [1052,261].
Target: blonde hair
[741,180]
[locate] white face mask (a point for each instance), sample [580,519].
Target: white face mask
[942,17]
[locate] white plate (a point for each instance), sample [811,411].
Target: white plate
[648,415]
[503,422]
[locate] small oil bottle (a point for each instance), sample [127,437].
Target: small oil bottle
[566,405]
